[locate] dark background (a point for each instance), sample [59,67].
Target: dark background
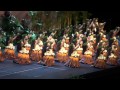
[112,19]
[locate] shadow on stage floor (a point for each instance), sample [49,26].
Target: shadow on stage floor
[10,70]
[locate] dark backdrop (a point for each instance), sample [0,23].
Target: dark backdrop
[112,19]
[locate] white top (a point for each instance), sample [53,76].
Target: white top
[102,57]
[66,45]
[105,51]
[114,38]
[67,38]
[51,40]
[37,47]
[88,52]
[79,49]
[49,53]
[62,50]
[75,54]
[88,44]
[10,46]
[104,36]
[112,56]
[24,51]
[27,45]
[40,43]
[0,48]
[91,37]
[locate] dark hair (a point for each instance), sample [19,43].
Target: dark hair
[23,46]
[101,52]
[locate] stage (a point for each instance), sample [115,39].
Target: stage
[10,70]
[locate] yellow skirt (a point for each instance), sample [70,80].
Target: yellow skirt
[0,53]
[117,53]
[100,63]
[49,60]
[62,57]
[112,61]
[79,52]
[88,59]
[23,58]
[73,62]
[9,53]
[36,55]
[1,57]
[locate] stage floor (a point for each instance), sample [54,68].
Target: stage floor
[10,70]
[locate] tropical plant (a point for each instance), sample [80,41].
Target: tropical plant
[47,20]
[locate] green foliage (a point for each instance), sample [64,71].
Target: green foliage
[71,45]
[85,44]
[45,21]
[45,43]
[111,39]
[56,19]
[10,24]
[74,40]
[59,42]
[32,38]
[36,24]
[45,38]
[2,42]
